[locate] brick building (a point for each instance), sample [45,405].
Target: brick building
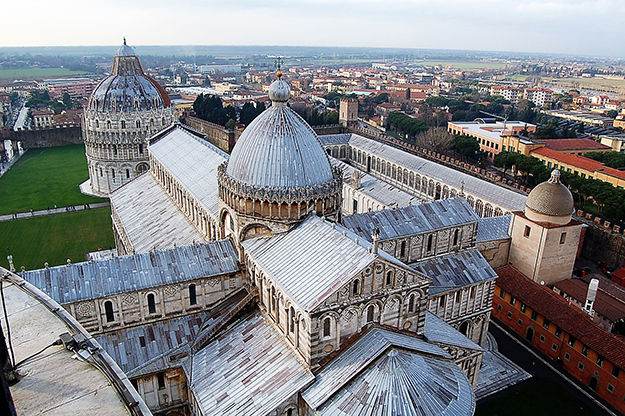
[562,332]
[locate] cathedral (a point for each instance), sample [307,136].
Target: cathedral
[288,277]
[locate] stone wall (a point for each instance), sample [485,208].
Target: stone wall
[604,245]
[34,139]
[218,135]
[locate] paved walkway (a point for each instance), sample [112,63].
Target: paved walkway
[51,211]
[7,165]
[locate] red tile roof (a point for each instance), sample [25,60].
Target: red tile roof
[579,161]
[570,318]
[574,144]
[604,304]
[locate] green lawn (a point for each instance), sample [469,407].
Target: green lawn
[540,397]
[43,178]
[37,73]
[55,238]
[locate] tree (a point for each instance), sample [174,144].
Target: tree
[67,100]
[467,147]
[505,160]
[436,139]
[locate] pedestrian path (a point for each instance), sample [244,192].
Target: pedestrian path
[51,211]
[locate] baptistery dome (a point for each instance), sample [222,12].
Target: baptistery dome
[550,201]
[278,172]
[124,110]
[128,88]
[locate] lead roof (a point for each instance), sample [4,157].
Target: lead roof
[314,260]
[102,278]
[413,219]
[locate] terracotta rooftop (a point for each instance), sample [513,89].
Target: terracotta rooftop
[570,318]
[605,305]
[578,161]
[575,144]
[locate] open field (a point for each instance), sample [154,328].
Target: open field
[465,64]
[540,397]
[43,178]
[37,73]
[598,84]
[55,238]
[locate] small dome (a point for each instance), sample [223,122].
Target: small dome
[279,91]
[279,149]
[125,50]
[551,199]
[128,88]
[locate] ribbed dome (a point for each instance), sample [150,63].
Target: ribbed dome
[279,149]
[550,198]
[128,88]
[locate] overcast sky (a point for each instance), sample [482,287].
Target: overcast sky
[553,26]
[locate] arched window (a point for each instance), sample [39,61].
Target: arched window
[108,124]
[326,327]
[473,292]
[97,123]
[456,237]
[163,121]
[127,173]
[289,412]
[151,303]
[113,173]
[402,250]
[389,277]
[370,312]
[272,306]
[108,309]
[356,287]
[138,124]
[123,124]
[192,295]
[430,238]
[441,301]
[411,303]
[291,319]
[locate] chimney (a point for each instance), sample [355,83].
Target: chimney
[376,239]
[590,297]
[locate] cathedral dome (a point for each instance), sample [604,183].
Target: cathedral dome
[550,201]
[128,88]
[279,149]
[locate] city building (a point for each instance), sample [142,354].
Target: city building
[511,94]
[494,137]
[125,109]
[562,332]
[539,96]
[580,165]
[43,119]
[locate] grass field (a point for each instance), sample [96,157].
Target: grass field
[465,64]
[37,73]
[598,84]
[540,397]
[43,178]
[55,238]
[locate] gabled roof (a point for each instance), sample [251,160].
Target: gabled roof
[314,260]
[101,278]
[606,305]
[249,370]
[193,162]
[456,270]
[413,219]
[570,318]
[149,217]
[394,374]
[440,332]
[493,228]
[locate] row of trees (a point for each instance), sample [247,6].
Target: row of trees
[405,125]
[614,160]
[210,108]
[610,201]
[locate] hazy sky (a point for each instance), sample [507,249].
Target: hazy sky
[554,26]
